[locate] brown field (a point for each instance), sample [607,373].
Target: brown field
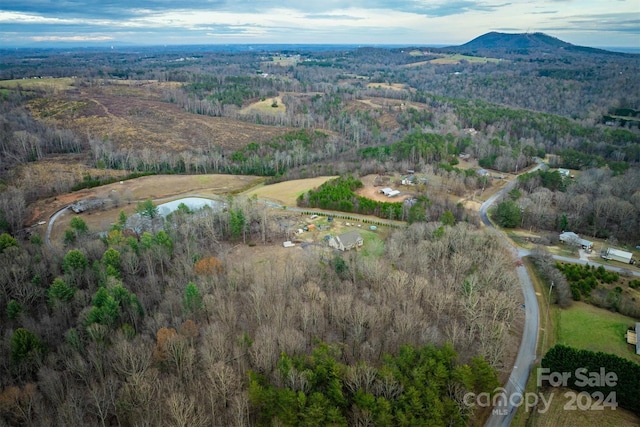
[416,64]
[286,193]
[161,188]
[133,116]
[389,108]
[266,107]
[391,86]
[55,84]
[558,416]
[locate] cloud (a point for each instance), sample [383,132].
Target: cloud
[71,38]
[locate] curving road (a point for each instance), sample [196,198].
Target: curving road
[52,220]
[502,415]
[503,412]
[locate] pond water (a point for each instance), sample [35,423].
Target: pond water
[193,203]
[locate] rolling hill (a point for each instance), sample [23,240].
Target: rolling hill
[523,44]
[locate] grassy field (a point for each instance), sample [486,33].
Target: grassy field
[558,415]
[62,83]
[266,106]
[286,193]
[581,326]
[457,58]
[591,328]
[373,243]
[390,86]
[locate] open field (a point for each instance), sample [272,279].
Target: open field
[62,83]
[266,106]
[457,58]
[168,187]
[135,117]
[550,323]
[286,193]
[389,86]
[558,415]
[158,187]
[587,327]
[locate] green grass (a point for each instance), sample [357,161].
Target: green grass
[455,59]
[591,328]
[52,83]
[373,243]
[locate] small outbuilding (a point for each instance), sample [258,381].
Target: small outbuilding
[632,337]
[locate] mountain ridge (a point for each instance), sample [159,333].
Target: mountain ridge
[524,43]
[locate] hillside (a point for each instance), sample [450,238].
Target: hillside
[523,43]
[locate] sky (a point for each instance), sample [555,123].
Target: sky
[595,23]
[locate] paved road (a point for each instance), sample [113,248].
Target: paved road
[619,268]
[504,412]
[526,358]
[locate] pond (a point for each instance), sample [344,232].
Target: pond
[193,203]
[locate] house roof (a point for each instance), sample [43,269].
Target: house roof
[571,237]
[350,239]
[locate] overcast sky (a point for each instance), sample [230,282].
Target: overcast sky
[411,22]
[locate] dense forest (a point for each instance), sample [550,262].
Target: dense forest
[103,331]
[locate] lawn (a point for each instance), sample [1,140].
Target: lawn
[373,243]
[591,328]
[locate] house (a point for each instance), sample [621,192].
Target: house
[346,241]
[564,172]
[482,172]
[573,239]
[632,337]
[409,180]
[465,156]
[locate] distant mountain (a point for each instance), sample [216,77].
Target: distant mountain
[523,44]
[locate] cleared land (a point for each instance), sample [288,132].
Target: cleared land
[161,188]
[133,116]
[286,193]
[62,83]
[266,106]
[557,415]
[390,86]
[587,327]
[457,58]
